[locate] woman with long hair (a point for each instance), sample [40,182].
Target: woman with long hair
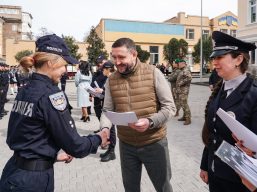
[236,93]
[83,80]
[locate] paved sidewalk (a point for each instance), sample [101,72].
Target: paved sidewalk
[91,175]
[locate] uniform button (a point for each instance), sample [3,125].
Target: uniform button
[214,130]
[70,122]
[214,119]
[214,141]
[72,126]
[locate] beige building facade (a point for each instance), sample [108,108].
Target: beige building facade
[247,30]
[14,46]
[14,24]
[152,36]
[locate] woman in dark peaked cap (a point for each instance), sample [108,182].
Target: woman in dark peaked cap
[236,93]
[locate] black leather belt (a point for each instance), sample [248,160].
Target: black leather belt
[32,164]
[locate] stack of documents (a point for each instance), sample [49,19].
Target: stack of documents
[239,130]
[92,91]
[239,161]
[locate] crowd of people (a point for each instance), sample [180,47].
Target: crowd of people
[41,124]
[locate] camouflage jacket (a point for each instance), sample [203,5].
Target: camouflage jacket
[173,77]
[183,81]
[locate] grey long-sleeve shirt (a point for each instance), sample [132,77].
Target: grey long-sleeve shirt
[164,97]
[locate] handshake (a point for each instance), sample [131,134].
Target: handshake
[105,135]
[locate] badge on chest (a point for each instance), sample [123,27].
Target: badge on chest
[58,101]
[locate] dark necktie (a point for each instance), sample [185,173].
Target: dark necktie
[223,94]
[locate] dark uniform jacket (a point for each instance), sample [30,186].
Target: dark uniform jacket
[40,123]
[243,103]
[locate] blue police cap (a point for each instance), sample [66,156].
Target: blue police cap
[225,43]
[108,64]
[100,58]
[56,45]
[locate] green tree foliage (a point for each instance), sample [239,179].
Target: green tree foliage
[95,46]
[73,47]
[183,47]
[21,54]
[143,55]
[207,49]
[175,49]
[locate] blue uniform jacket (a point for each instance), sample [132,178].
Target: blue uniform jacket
[243,103]
[40,123]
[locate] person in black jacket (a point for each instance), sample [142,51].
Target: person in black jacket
[108,69]
[40,123]
[4,75]
[214,79]
[236,94]
[63,81]
[98,81]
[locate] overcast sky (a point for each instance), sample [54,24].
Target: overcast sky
[76,17]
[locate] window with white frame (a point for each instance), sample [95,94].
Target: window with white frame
[205,34]
[252,57]
[224,31]
[233,33]
[190,33]
[154,54]
[252,4]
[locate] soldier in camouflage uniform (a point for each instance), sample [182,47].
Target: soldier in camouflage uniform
[172,79]
[182,87]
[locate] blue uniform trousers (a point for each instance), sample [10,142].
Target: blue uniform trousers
[15,179]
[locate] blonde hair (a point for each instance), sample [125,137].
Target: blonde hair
[38,59]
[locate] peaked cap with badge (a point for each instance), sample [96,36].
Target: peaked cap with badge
[56,45]
[108,64]
[224,43]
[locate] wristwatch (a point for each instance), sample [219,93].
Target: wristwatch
[151,123]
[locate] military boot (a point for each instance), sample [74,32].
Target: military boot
[187,121]
[110,155]
[182,119]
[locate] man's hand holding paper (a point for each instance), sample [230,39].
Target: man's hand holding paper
[141,125]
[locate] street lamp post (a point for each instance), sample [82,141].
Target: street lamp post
[201,44]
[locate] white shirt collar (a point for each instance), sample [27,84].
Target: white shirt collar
[234,83]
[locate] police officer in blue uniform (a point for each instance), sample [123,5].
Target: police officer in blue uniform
[108,69]
[40,123]
[236,94]
[4,76]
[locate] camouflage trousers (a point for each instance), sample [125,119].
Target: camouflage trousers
[175,98]
[184,105]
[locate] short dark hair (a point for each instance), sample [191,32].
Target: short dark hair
[127,42]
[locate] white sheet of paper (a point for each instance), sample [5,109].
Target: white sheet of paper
[92,91]
[121,118]
[239,130]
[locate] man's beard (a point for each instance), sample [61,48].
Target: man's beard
[128,69]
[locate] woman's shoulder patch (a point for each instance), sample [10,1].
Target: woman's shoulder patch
[58,101]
